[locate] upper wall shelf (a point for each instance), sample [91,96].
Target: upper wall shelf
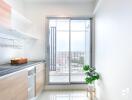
[16,33]
[13,23]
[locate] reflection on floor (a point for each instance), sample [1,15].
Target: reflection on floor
[63,95]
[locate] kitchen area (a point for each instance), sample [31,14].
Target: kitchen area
[22,81]
[22,59]
[25,51]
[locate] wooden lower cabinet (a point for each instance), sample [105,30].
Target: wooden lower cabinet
[40,77]
[14,86]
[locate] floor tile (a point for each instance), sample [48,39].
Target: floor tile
[63,95]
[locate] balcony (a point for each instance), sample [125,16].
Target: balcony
[60,70]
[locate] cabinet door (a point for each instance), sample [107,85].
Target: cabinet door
[14,86]
[40,77]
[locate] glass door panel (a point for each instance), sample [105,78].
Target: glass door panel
[59,51]
[78,50]
[69,50]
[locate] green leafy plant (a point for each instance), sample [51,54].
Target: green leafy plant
[91,74]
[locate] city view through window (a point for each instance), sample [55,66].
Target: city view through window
[68,40]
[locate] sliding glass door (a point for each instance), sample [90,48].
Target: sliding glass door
[79,29]
[69,49]
[59,51]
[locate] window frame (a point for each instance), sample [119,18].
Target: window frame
[47,46]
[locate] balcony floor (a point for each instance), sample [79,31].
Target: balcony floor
[64,77]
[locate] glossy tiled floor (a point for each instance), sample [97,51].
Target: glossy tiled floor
[63,95]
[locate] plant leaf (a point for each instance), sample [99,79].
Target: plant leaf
[86,67]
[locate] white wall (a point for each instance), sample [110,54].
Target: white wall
[113,21]
[37,13]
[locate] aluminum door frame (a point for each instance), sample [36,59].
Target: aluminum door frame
[47,47]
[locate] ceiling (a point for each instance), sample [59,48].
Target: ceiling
[60,1]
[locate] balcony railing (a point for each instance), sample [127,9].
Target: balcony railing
[62,62]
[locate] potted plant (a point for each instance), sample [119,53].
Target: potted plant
[91,77]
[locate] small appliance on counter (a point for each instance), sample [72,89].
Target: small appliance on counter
[18,61]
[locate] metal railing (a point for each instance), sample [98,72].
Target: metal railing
[62,62]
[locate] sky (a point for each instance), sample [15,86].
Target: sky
[79,28]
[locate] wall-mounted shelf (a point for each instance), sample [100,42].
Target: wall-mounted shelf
[22,35]
[14,28]
[14,33]
[10,43]
[11,38]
